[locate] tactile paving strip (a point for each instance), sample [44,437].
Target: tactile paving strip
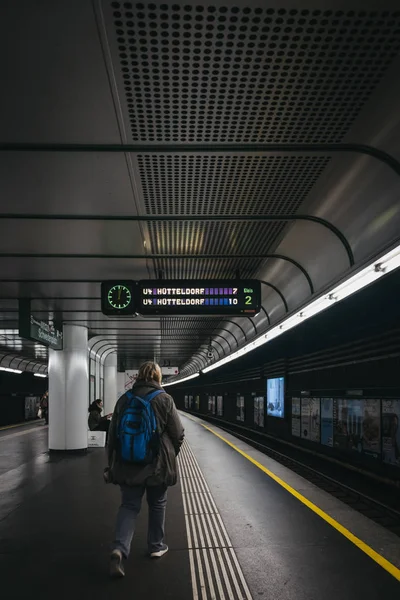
[215,570]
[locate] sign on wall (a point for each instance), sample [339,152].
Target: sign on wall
[32,328]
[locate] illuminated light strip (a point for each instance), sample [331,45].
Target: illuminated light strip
[181,380]
[387,263]
[10,370]
[39,375]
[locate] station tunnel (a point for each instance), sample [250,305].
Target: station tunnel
[213,187]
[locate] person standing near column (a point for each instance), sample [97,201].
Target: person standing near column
[141,465]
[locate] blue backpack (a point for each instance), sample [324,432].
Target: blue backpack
[137,429]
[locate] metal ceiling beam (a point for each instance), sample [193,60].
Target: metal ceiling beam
[161,256]
[266,314]
[270,285]
[237,325]
[188,148]
[178,218]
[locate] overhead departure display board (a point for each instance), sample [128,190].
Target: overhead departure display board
[199,297]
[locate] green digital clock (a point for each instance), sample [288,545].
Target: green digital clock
[117,298]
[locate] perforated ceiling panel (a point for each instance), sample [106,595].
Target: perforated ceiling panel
[207,185]
[174,184]
[224,73]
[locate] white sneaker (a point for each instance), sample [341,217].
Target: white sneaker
[116,566]
[160,553]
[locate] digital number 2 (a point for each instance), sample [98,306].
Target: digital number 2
[248,300]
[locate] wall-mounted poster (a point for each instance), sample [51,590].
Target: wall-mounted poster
[186,402]
[190,402]
[209,403]
[220,406]
[327,421]
[371,427]
[356,425]
[240,408]
[261,409]
[391,432]
[296,421]
[213,405]
[347,423]
[256,411]
[315,419]
[305,418]
[197,402]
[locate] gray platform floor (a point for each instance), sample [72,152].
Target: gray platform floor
[57,519]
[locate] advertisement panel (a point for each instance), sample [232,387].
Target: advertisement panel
[213,405]
[371,427]
[296,422]
[356,425]
[276,397]
[190,402]
[209,404]
[197,402]
[327,421]
[315,419]
[391,432]
[240,408]
[220,406]
[256,411]
[305,418]
[32,404]
[261,409]
[186,402]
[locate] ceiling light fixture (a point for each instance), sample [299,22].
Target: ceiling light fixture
[182,380]
[10,370]
[384,265]
[39,375]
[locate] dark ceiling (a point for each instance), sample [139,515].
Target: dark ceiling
[235,111]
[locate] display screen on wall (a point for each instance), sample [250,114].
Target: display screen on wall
[327,421]
[356,425]
[391,432]
[220,406]
[240,408]
[276,397]
[296,421]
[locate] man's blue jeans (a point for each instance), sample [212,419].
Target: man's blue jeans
[129,510]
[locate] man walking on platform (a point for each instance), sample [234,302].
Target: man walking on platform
[145,437]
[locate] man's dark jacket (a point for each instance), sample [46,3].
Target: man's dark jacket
[170,430]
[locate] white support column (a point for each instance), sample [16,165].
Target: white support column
[110,383]
[69,391]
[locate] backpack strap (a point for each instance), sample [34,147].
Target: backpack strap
[148,398]
[152,395]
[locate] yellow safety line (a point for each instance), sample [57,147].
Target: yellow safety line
[12,426]
[388,566]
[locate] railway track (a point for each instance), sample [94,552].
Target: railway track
[375,510]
